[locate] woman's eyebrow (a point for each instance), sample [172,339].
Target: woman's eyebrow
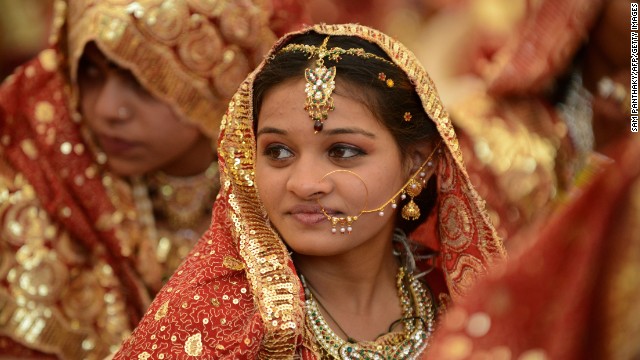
[271,130]
[349,130]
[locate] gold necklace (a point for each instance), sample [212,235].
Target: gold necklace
[184,200]
[418,319]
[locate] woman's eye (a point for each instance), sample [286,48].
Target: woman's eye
[90,71]
[277,152]
[134,83]
[345,151]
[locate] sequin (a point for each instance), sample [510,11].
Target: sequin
[48,60]
[479,324]
[65,212]
[78,149]
[44,111]
[533,354]
[457,347]
[29,148]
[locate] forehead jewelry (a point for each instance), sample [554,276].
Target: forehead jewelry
[321,80]
[412,188]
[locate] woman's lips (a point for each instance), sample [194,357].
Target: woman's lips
[310,214]
[309,218]
[115,146]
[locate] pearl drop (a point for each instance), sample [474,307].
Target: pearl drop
[403,196]
[381,213]
[342,230]
[334,230]
[423,174]
[349,228]
[394,205]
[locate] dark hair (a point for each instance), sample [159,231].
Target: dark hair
[359,77]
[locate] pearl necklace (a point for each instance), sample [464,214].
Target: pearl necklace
[418,319]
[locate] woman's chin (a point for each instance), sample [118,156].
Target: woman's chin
[126,168]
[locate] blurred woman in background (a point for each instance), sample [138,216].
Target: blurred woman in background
[108,169]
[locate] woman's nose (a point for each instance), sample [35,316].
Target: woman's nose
[113,100]
[306,180]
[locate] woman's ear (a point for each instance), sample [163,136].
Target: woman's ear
[421,157]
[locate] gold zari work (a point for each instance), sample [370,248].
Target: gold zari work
[174,48]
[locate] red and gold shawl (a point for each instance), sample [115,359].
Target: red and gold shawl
[75,264]
[237,295]
[573,292]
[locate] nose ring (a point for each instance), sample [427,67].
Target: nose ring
[124,113]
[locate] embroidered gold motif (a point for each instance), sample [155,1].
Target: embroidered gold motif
[144,356]
[213,44]
[232,263]
[162,312]
[193,345]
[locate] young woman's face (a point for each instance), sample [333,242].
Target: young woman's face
[138,132]
[293,162]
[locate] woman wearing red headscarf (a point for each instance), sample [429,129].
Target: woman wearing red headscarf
[108,167]
[346,218]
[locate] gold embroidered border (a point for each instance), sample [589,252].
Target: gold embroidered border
[43,329]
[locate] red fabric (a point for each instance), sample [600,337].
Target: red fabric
[544,47]
[51,173]
[570,293]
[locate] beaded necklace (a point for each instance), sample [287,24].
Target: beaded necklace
[418,319]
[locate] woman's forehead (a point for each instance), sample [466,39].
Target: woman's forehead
[283,111]
[96,56]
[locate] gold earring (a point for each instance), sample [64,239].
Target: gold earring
[411,211]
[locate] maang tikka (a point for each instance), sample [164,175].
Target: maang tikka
[321,80]
[410,211]
[320,85]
